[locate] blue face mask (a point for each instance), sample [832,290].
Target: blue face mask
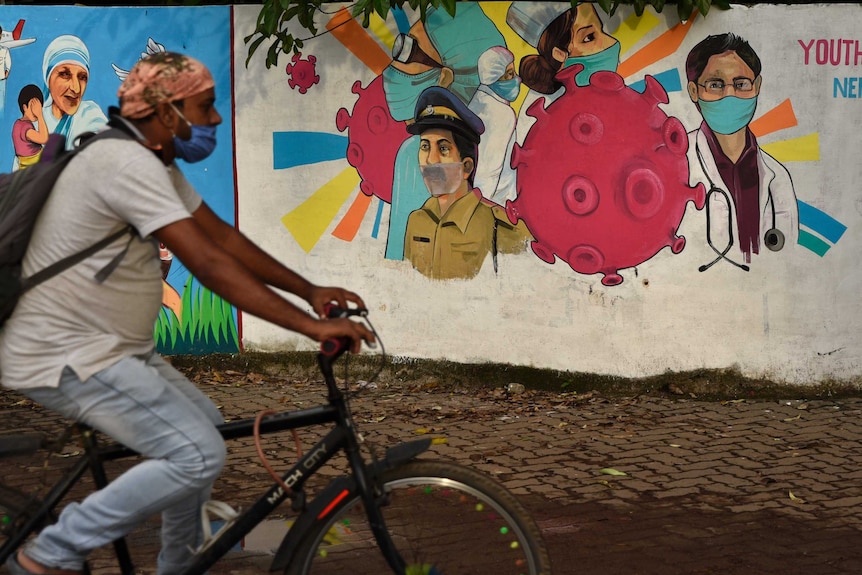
[728,115]
[199,146]
[606,60]
[402,90]
[507,89]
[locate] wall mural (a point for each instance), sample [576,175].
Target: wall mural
[527,170]
[60,68]
[577,155]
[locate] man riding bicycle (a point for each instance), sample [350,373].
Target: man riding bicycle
[84,348]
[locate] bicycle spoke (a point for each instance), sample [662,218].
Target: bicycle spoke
[440,525]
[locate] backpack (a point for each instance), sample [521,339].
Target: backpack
[22,195]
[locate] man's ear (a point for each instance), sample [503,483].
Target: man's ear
[468,167]
[692,91]
[757,82]
[167,115]
[447,76]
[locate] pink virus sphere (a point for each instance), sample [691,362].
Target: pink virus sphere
[602,176]
[373,139]
[302,74]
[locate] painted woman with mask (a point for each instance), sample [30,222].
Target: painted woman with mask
[492,102]
[746,185]
[563,36]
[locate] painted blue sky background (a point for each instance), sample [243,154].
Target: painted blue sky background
[119,36]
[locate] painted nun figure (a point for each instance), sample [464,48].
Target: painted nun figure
[66,71]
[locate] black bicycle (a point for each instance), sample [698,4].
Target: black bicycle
[393,513]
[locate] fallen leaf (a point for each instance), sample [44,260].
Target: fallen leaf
[794,498]
[612,471]
[439,441]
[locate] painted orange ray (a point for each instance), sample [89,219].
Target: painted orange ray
[349,225]
[778,118]
[355,38]
[663,46]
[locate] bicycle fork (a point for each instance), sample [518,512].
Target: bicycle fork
[371,491]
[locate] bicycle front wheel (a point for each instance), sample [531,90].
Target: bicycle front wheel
[443,518]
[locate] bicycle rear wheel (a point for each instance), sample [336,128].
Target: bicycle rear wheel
[444,519]
[14,512]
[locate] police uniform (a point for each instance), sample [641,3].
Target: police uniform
[455,244]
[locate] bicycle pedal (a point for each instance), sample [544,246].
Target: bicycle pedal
[226,514]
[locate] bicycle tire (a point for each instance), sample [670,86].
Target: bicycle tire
[444,519]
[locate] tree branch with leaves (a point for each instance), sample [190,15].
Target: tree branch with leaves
[287,24]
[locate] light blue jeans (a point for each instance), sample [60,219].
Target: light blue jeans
[148,406]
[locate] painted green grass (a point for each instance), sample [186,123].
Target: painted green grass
[207,324]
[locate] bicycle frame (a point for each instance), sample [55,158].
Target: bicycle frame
[341,437]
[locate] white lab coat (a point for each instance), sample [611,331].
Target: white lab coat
[776,189]
[494,174]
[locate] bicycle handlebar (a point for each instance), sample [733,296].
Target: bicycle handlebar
[333,311]
[335,346]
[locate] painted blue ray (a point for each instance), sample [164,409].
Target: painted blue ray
[377,219]
[401,20]
[669,79]
[291,149]
[821,223]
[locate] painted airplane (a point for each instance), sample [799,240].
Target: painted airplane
[13,39]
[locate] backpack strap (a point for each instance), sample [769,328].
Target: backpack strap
[67,262]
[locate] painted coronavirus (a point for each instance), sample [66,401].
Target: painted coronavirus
[602,176]
[302,74]
[373,138]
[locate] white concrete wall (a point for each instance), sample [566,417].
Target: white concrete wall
[794,317]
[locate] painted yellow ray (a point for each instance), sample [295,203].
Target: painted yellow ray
[802,149]
[308,221]
[634,28]
[378,27]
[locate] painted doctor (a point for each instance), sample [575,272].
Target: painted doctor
[750,200]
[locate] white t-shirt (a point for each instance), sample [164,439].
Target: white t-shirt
[71,320]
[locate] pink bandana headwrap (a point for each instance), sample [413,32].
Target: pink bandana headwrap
[162,77]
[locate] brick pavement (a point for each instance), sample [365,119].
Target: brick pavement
[709,487]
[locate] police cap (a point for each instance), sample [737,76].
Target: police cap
[439,108]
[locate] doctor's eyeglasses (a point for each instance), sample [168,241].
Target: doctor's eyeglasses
[716,87]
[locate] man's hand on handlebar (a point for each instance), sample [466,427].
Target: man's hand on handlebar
[320,297]
[345,328]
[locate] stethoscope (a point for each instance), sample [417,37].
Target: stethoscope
[773,238]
